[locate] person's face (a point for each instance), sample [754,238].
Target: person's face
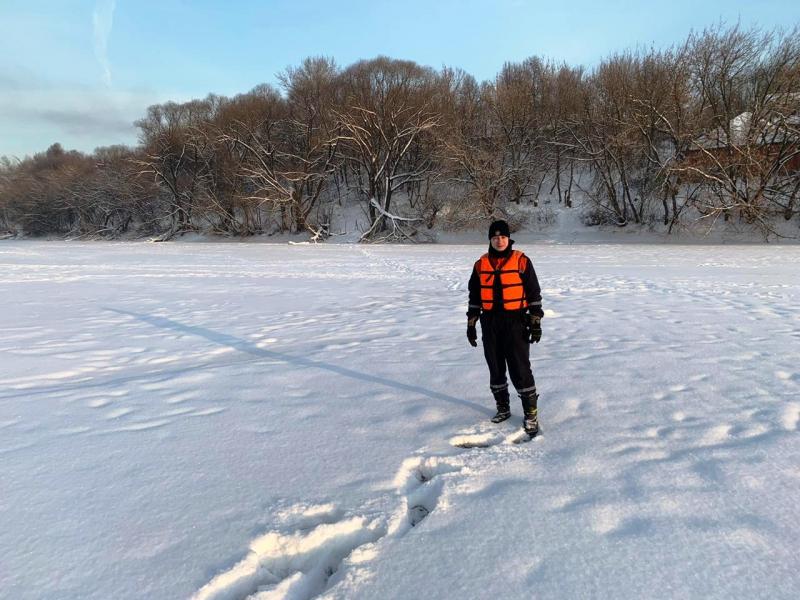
[499,242]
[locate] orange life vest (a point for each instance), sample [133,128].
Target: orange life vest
[510,272]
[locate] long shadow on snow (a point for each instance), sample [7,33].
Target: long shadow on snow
[244,346]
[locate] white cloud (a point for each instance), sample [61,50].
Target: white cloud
[103,19]
[34,114]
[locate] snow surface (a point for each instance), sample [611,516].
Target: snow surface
[296,421]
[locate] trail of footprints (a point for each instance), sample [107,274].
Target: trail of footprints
[325,545]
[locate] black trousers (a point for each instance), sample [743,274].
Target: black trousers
[505,344]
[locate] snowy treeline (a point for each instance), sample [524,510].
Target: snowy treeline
[706,129]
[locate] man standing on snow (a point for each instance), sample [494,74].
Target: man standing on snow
[504,294]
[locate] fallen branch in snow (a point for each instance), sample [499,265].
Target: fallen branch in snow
[397,224]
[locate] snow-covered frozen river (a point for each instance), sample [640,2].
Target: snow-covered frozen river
[227,420]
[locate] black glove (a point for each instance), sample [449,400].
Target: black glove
[472,333]
[534,325]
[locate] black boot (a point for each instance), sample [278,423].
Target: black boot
[531,424]
[530,409]
[501,399]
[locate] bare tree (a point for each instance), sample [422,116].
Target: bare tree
[564,104]
[518,107]
[603,137]
[172,155]
[288,145]
[7,180]
[472,152]
[746,152]
[388,110]
[310,137]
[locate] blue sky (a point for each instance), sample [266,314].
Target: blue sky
[81,71]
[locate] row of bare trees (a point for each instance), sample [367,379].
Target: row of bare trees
[712,126]
[707,129]
[69,192]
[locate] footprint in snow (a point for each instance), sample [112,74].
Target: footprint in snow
[305,562]
[298,564]
[486,439]
[418,483]
[476,440]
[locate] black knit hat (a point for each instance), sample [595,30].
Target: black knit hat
[499,228]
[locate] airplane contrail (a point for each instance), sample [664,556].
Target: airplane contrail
[103,19]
